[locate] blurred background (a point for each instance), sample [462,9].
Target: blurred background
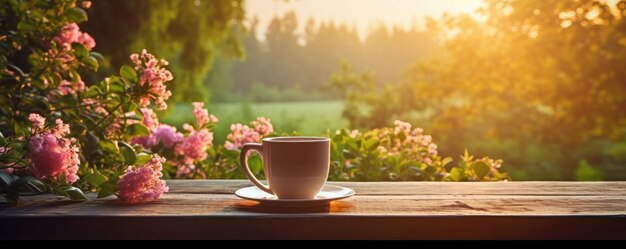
[538,83]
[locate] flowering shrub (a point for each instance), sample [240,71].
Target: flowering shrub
[42,52]
[402,154]
[60,134]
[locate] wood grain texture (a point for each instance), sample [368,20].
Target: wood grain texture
[409,210]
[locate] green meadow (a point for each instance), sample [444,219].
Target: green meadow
[308,118]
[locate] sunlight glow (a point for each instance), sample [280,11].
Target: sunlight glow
[362,14]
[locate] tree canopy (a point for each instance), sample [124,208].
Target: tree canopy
[189,34]
[540,79]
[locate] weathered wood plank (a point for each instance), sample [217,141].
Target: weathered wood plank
[429,188]
[416,210]
[226,205]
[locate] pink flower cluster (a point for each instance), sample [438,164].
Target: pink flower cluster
[38,122]
[422,145]
[158,133]
[154,76]
[51,154]
[242,134]
[150,119]
[86,4]
[194,147]
[168,136]
[70,33]
[263,126]
[143,183]
[188,148]
[71,88]
[202,114]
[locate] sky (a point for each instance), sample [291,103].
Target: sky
[362,13]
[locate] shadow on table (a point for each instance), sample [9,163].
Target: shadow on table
[256,207]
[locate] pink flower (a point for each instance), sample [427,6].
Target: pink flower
[202,114]
[52,156]
[263,126]
[168,136]
[60,129]
[86,4]
[150,119]
[95,105]
[187,170]
[145,141]
[155,76]
[496,164]
[193,148]
[354,133]
[432,149]
[401,127]
[38,121]
[241,134]
[67,87]
[70,33]
[87,41]
[144,183]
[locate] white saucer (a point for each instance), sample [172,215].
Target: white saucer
[329,193]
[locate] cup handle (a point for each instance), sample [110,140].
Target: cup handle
[243,158]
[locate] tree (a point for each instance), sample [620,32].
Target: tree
[537,82]
[189,34]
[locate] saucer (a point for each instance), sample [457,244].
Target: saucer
[329,193]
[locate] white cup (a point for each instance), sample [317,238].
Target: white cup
[295,167]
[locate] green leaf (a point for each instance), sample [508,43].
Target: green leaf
[129,74]
[107,189]
[62,177]
[96,179]
[129,107]
[76,15]
[143,158]
[36,185]
[372,144]
[91,63]
[456,174]
[80,51]
[97,56]
[481,169]
[349,155]
[446,161]
[117,87]
[75,76]
[60,192]
[137,130]
[26,25]
[128,153]
[336,152]
[109,146]
[92,92]
[75,193]
[2,139]
[5,179]
[430,170]
[43,4]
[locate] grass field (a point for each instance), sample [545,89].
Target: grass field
[309,118]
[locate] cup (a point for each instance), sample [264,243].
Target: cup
[295,167]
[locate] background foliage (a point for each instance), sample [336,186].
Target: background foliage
[189,34]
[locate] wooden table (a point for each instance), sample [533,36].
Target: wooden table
[409,210]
